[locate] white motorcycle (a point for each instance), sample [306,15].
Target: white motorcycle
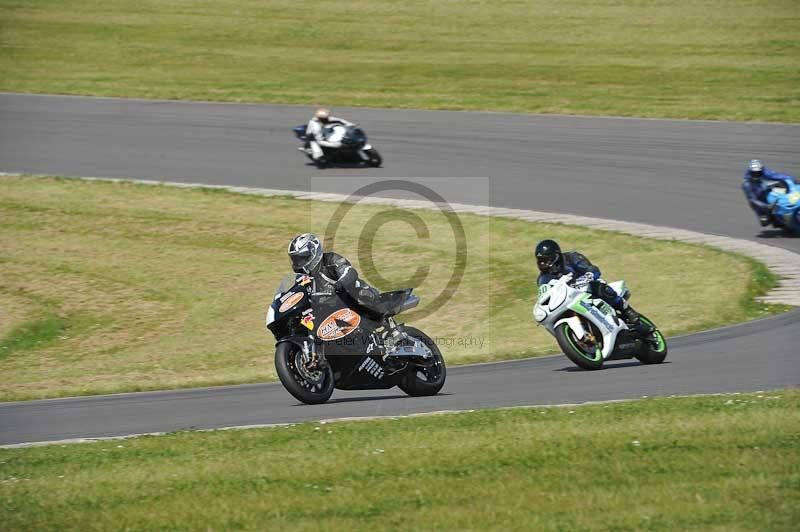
[354,148]
[588,330]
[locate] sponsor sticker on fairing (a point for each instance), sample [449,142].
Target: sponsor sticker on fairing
[338,325]
[289,300]
[371,367]
[597,314]
[308,319]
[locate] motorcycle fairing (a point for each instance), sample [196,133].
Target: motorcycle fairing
[354,143]
[358,358]
[595,311]
[621,289]
[589,309]
[787,204]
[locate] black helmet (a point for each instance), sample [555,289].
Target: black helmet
[305,252]
[755,169]
[548,256]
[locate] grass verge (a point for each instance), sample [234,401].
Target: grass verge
[113,287]
[725,462]
[719,59]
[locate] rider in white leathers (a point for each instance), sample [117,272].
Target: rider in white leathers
[316,135]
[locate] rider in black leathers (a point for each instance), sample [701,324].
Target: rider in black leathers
[331,270]
[553,264]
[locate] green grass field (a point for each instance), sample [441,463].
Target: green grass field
[110,287]
[717,59]
[729,462]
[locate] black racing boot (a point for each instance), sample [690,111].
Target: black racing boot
[768,217]
[635,322]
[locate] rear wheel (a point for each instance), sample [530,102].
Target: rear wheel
[309,385]
[654,347]
[375,158]
[583,355]
[420,380]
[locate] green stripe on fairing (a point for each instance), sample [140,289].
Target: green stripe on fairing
[576,305]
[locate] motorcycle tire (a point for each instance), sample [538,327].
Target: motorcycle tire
[375,158]
[421,382]
[287,356]
[568,344]
[654,350]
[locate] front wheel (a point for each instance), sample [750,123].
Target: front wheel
[420,381]
[583,355]
[654,347]
[375,158]
[309,385]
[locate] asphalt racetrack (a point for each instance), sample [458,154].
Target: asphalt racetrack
[669,173]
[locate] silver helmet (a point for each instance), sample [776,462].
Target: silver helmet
[305,252]
[755,169]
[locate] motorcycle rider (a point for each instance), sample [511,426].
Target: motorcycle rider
[756,190]
[553,264]
[332,270]
[316,135]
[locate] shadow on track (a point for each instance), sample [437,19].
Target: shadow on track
[349,166]
[368,398]
[632,363]
[775,233]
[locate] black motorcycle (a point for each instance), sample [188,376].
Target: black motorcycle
[355,148]
[324,342]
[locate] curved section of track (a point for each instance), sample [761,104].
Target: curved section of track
[668,173]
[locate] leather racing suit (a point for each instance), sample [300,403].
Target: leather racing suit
[337,273]
[584,271]
[317,138]
[757,191]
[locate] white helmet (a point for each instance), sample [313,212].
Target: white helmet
[322,115]
[305,252]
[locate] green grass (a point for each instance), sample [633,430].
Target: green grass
[726,462]
[718,59]
[109,287]
[33,335]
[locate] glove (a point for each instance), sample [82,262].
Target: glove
[583,280]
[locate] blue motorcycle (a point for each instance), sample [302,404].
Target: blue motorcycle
[785,199]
